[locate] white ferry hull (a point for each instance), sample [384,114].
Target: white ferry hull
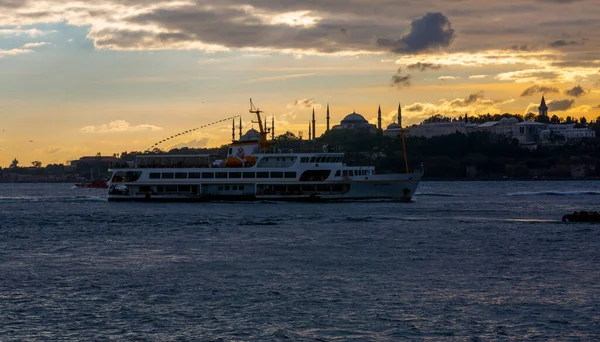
[399,187]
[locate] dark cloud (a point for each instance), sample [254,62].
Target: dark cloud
[521,47]
[401,81]
[9,4]
[472,98]
[576,91]
[576,63]
[304,103]
[432,31]
[560,105]
[539,89]
[562,42]
[330,26]
[424,66]
[414,108]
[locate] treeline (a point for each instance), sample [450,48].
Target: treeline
[482,118]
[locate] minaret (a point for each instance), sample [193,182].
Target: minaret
[543,108]
[233,129]
[327,116]
[309,132]
[400,114]
[379,118]
[240,127]
[273,128]
[314,123]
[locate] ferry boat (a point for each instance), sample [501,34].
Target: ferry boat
[255,171]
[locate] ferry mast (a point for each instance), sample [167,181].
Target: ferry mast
[263,133]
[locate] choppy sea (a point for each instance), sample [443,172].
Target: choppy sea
[465,261]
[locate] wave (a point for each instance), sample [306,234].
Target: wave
[437,194]
[54,199]
[555,193]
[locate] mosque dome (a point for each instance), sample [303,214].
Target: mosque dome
[251,135]
[393,126]
[354,119]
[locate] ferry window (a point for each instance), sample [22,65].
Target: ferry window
[304,159]
[220,174]
[230,151]
[249,175]
[194,175]
[312,159]
[276,174]
[345,173]
[262,175]
[160,188]
[220,188]
[171,188]
[145,188]
[337,173]
[290,175]
[184,188]
[181,175]
[351,173]
[154,175]
[168,175]
[314,175]
[234,187]
[235,175]
[208,175]
[241,187]
[227,188]
[319,159]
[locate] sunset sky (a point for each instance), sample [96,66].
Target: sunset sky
[81,77]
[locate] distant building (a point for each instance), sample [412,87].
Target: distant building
[436,129]
[95,159]
[356,122]
[565,134]
[529,134]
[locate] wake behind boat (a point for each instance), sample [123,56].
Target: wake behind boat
[255,171]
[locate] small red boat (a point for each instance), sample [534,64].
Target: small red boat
[95,184]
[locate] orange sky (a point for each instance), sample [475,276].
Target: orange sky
[79,78]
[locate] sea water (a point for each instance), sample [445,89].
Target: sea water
[465,261]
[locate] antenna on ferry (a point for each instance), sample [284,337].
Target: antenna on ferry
[263,133]
[404,149]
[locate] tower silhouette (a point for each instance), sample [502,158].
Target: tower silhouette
[543,108]
[327,116]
